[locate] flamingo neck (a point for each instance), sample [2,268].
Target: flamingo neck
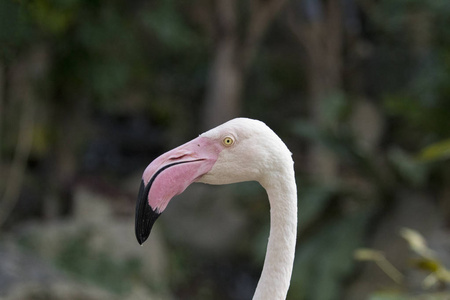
[276,274]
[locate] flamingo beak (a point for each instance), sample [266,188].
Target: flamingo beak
[169,175]
[145,215]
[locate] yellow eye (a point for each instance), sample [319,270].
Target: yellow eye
[228,141]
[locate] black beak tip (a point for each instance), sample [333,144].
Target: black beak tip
[145,215]
[141,239]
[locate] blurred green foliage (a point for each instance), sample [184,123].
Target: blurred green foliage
[151,59]
[79,259]
[326,258]
[421,28]
[424,260]
[76,255]
[16,32]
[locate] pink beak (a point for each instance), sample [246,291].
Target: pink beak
[169,175]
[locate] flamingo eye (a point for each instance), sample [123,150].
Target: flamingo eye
[228,141]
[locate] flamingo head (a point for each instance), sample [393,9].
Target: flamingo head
[239,150]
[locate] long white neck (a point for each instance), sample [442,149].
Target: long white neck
[278,264]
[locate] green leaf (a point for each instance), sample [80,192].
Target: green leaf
[395,295]
[334,108]
[323,262]
[391,295]
[436,151]
[407,167]
[313,200]
[167,23]
[15,29]
[54,16]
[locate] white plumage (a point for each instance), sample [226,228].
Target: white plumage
[239,150]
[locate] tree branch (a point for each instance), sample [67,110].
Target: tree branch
[18,166]
[2,113]
[261,14]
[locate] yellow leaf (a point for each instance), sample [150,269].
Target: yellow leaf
[436,151]
[443,274]
[430,265]
[368,254]
[416,242]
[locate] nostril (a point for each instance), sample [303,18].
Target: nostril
[179,156]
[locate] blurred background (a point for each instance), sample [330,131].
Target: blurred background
[92,91]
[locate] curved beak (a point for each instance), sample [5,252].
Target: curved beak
[169,175]
[145,215]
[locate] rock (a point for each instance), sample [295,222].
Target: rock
[206,220]
[25,276]
[96,246]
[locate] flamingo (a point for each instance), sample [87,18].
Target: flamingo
[239,150]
